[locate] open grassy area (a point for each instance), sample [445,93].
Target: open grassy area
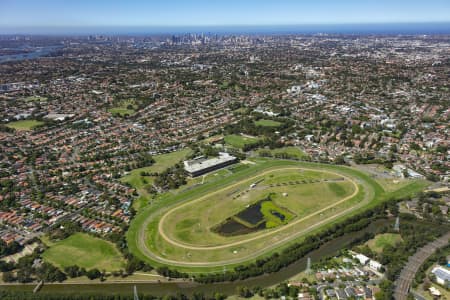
[124,108]
[269,210]
[380,241]
[85,251]
[189,244]
[291,152]
[24,124]
[35,98]
[162,162]
[385,177]
[239,141]
[121,111]
[267,123]
[392,184]
[445,294]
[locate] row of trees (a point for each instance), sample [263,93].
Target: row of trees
[28,269]
[21,295]
[7,249]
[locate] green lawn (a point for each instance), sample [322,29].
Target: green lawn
[380,241]
[392,184]
[268,123]
[139,182]
[291,151]
[35,98]
[267,209]
[124,108]
[239,141]
[162,162]
[84,251]
[121,111]
[427,295]
[24,124]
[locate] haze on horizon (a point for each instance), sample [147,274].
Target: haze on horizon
[28,16]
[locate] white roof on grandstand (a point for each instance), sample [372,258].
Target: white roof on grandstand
[199,164]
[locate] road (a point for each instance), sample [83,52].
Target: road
[409,271]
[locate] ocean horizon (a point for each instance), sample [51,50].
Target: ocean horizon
[350,29]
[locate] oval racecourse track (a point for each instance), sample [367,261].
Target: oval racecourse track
[142,233]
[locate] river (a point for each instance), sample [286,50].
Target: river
[228,288]
[37,52]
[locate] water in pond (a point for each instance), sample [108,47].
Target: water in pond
[278,215]
[252,214]
[249,220]
[232,227]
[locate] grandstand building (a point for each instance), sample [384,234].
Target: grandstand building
[199,166]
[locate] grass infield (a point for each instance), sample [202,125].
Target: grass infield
[175,229]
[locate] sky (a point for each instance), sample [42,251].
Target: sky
[35,14]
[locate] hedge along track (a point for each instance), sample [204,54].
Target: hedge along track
[142,236]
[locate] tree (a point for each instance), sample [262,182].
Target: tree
[244,291]
[405,173]
[93,274]
[339,160]
[24,275]
[6,266]
[72,271]
[219,296]
[8,277]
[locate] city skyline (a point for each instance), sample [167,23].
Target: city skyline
[51,16]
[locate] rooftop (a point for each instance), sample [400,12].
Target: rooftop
[201,163]
[441,273]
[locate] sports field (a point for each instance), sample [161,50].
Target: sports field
[251,213]
[84,251]
[239,141]
[24,124]
[267,123]
[290,151]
